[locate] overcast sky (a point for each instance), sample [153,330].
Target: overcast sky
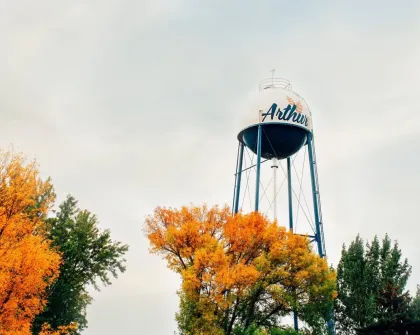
[130,104]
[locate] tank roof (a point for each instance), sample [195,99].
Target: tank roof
[275,83]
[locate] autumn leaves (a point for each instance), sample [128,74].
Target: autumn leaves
[38,293]
[28,265]
[240,270]
[237,272]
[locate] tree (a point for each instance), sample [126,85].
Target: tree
[415,305]
[46,329]
[371,286]
[28,263]
[255,330]
[239,271]
[411,327]
[89,258]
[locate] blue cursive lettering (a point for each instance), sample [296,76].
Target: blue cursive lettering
[288,113]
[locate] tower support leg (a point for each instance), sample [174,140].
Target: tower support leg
[295,320]
[315,192]
[319,236]
[238,178]
[289,187]
[257,188]
[274,166]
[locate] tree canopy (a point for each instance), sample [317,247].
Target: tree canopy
[371,285]
[28,263]
[90,257]
[239,270]
[47,262]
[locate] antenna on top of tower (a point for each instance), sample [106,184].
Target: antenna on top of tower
[273,71]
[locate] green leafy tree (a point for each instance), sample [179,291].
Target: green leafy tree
[371,286]
[415,305]
[353,299]
[89,256]
[256,330]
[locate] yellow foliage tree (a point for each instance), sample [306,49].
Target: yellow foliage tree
[62,330]
[27,263]
[239,271]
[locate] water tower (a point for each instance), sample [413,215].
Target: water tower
[275,126]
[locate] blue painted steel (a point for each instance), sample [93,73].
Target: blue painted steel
[279,141]
[257,188]
[330,325]
[238,177]
[289,182]
[296,321]
[317,213]
[315,196]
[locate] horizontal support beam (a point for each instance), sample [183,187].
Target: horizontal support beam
[304,235]
[250,167]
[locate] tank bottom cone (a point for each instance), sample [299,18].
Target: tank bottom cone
[277,140]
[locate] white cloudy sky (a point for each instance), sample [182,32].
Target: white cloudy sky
[130,104]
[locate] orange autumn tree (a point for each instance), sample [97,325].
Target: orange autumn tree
[239,271]
[27,263]
[61,330]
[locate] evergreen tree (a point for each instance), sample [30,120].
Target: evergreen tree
[371,286]
[353,303]
[415,305]
[89,258]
